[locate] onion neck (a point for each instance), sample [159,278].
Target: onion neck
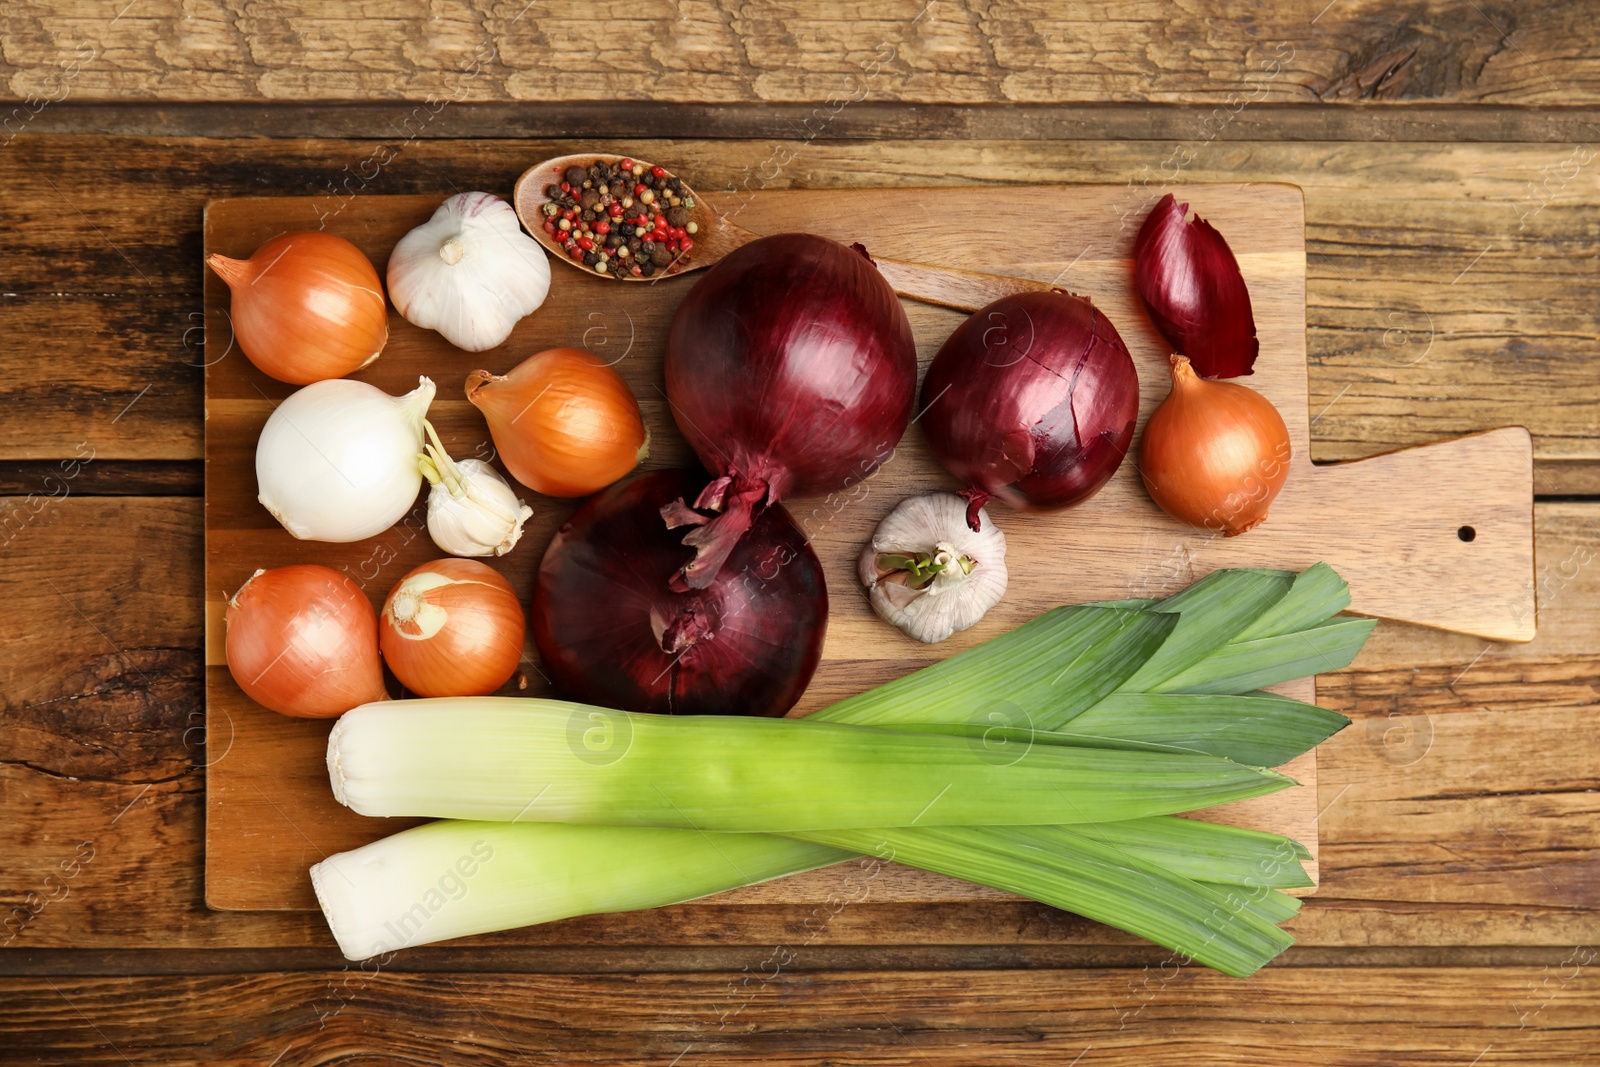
[976,498]
[1183,375]
[739,499]
[231,271]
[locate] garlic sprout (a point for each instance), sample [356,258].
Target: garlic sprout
[927,573]
[472,510]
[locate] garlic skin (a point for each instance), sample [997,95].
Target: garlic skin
[472,509]
[469,272]
[927,573]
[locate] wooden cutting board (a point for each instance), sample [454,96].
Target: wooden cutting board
[1440,535]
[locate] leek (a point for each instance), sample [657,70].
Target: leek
[1122,674]
[515,759]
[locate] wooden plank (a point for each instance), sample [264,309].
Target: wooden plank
[867,120]
[1445,290]
[788,1014]
[96,751]
[840,51]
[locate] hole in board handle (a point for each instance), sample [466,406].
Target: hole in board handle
[1467,533]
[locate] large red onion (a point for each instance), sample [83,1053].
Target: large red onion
[1031,401]
[791,370]
[1194,291]
[611,632]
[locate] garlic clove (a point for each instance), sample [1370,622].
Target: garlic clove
[485,519]
[469,272]
[927,573]
[472,509]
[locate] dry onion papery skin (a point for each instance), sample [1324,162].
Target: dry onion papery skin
[303,641]
[563,421]
[452,628]
[1215,454]
[306,306]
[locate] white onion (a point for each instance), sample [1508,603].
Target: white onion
[337,461]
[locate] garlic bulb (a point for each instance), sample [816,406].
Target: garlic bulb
[930,575]
[337,461]
[472,510]
[469,272]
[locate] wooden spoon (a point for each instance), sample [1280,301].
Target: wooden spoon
[716,236]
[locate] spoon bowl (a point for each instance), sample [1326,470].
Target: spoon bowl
[715,237]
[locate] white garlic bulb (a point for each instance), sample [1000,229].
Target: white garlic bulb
[472,509]
[930,575]
[469,272]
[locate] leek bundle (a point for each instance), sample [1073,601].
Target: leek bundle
[1094,690]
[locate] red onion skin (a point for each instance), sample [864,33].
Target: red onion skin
[610,632]
[1194,291]
[790,369]
[1031,401]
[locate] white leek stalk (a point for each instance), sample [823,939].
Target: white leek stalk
[451,879]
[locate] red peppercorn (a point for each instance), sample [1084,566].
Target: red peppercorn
[602,227]
[615,210]
[569,214]
[636,271]
[661,223]
[575,252]
[627,164]
[658,172]
[639,188]
[586,244]
[549,227]
[672,246]
[679,232]
[565,188]
[686,244]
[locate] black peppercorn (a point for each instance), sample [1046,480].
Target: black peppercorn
[589,198]
[575,175]
[634,244]
[586,215]
[647,268]
[660,257]
[591,258]
[614,241]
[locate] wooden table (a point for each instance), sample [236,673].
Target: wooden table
[1448,154]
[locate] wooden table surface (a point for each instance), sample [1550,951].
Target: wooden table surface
[1448,152]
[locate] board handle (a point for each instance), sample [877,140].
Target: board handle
[1407,529]
[964,290]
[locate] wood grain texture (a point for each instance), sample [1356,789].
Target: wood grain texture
[1342,1017]
[102,737]
[269,813]
[1446,283]
[906,50]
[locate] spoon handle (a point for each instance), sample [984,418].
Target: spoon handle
[963,290]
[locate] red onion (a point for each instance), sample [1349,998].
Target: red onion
[1192,287]
[611,632]
[791,370]
[1032,401]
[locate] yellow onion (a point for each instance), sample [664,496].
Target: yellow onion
[452,628]
[1214,454]
[306,306]
[562,421]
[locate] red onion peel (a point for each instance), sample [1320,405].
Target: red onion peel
[1194,291]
